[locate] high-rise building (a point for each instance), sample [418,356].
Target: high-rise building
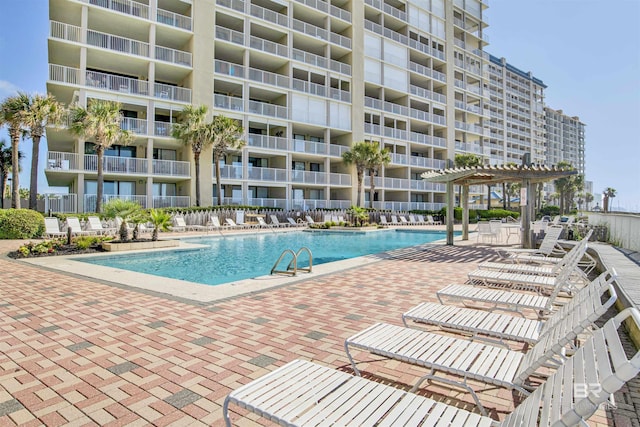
[516,114]
[565,139]
[306,78]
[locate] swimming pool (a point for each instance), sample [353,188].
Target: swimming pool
[230,258]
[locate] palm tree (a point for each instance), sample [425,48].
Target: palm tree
[123,209]
[5,166]
[360,155]
[225,134]
[191,130]
[99,121]
[161,220]
[588,198]
[11,115]
[378,159]
[608,193]
[563,185]
[44,110]
[463,161]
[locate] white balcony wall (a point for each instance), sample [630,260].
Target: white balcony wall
[270,142]
[267,174]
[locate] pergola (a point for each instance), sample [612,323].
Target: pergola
[528,175]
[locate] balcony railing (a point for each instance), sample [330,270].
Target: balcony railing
[60,203]
[174,56]
[116,83]
[308,177]
[229,35]
[267,174]
[267,109]
[269,15]
[137,126]
[228,102]
[91,199]
[171,168]
[60,161]
[229,68]
[270,142]
[162,128]
[267,202]
[62,31]
[229,172]
[345,15]
[339,179]
[428,139]
[127,7]
[321,5]
[336,150]
[171,202]
[268,46]
[237,5]
[310,147]
[62,74]
[117,43]
[427,162]
[173,19]
[399,159]
[269,78]
[174,93]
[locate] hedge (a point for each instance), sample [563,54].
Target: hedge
[20,224]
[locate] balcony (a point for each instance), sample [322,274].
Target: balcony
[309,87]
[173,56]
[60,203]
[266,109]
[422,138]
[91,199]
[307,177]
[73,162]
[136,126]
[229,35]
[228,102]
[399,159]
[268,142]
[174,93]
[173,19]
[171,202]
[267,174]
[427,162]
[269,15]
[237,5]
[428,94]
[127,7]
[117,43]
[268,46]
[268,78]
[267,202]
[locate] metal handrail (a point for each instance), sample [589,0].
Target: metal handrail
[292,268]
[288,270]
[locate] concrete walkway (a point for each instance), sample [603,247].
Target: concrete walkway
[78,351]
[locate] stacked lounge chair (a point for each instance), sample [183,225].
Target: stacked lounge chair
[303,393]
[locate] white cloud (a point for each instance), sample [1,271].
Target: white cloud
[7,89]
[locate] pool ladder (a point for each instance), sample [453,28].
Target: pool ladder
[292,268]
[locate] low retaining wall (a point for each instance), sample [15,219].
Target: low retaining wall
[624,229]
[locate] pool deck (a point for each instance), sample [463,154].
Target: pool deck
[85,351]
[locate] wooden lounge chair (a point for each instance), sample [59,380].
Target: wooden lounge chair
[466,359]
[304,393]
[585,308]
[52,228]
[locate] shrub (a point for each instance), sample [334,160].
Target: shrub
[497,214]
[20,224]
[39,248]
[550,210]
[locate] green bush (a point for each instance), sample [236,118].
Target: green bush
[550,210]
[20,224]
[497,214]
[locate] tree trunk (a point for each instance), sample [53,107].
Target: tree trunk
[360,179]
[100,154]
[216,162]
[5,178]
[33,186]
[372,188]
[196,159]
[489,198]
[15,168]
[154,235]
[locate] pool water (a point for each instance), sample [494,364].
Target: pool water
[230,258]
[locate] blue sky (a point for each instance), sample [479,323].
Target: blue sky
[586,51]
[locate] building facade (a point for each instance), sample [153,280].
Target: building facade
[306,78]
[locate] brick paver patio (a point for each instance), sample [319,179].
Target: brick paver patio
[78,352]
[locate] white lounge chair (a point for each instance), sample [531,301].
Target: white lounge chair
[181,225]
[529,276]
[293,222]
[214,224]
[466,359]
[304,393]
[240,220]
[583,309]
[76,229]
[263,224]
[383,220]
[432,221]
[94,224]
[232,224]
[276,223]
[403,220]
[52,228]
[309,220]
[413,221]
[548,247]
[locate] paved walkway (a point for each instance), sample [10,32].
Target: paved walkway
[75,351]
